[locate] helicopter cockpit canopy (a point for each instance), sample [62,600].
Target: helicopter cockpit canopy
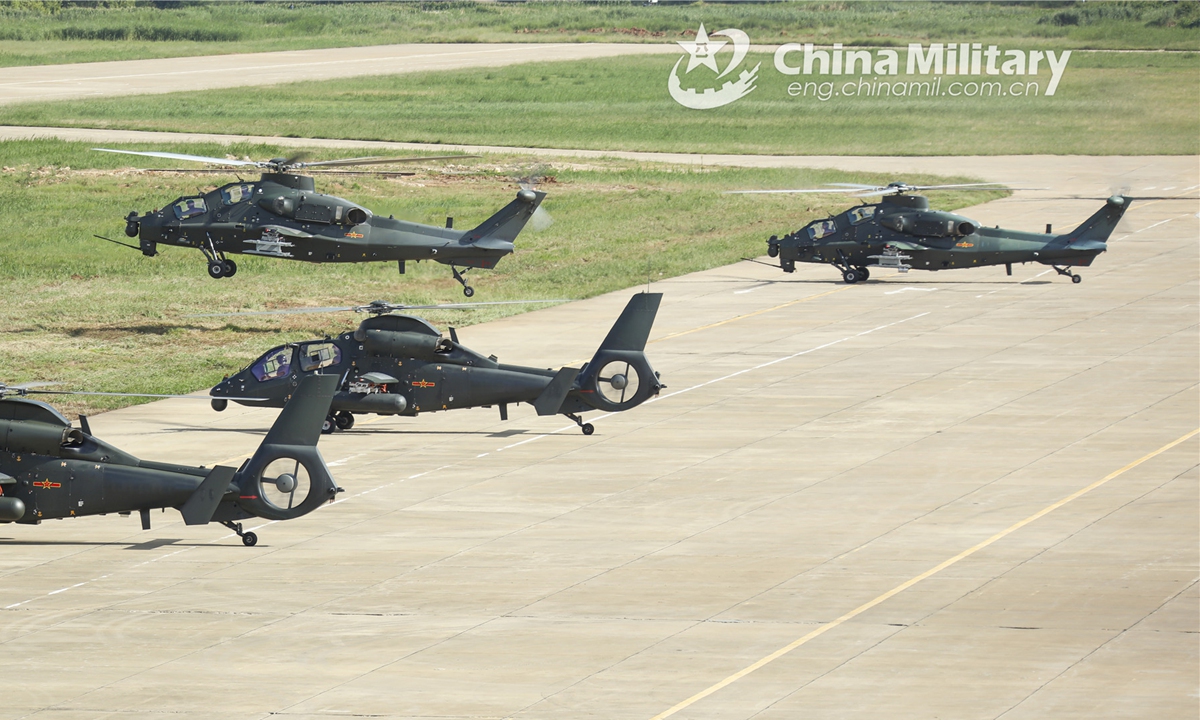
[234,194]
[861,214]
[317,355]
[274,364]
[186,208]
[822,228]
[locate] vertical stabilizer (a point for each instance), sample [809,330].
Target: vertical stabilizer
[1100,225]
[632,329]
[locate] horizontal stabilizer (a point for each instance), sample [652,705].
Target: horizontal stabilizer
[199,508]
[552,397]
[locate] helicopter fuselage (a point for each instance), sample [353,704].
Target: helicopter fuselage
[281,215]
[902,233]
[401,365]
[51,470]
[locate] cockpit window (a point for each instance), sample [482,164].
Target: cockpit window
[822,228]
[275,364]
[314,356]
[860,214]
[234,194]
[189,208]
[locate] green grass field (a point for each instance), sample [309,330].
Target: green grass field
[96,316]
[1107,103]
[34,32]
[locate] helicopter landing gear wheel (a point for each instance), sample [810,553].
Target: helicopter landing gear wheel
[773,247]
[587,428]
[249,539]
[229,267]
[467,289]
[216,269]
[864,274]
[329,425]
[1064,271]
[851,276]
[344,420]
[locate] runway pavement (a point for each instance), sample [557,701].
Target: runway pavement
[939,495]
[166,75]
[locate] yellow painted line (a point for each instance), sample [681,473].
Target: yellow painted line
[747,315]
[913,581]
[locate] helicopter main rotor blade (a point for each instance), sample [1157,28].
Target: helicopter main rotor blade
[453,306]
[181,156]
[376,161]
[145,395]
[378,306]
[981,186]
[290,311]
[793,192]
[896,190]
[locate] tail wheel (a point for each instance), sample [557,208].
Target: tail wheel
[618,382]
[1076,279]
[285,483]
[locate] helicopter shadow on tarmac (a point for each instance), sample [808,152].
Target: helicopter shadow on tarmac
[154,544]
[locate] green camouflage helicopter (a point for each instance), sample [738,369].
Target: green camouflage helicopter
[281,215]
[49,469]
[901,232]
[401,365]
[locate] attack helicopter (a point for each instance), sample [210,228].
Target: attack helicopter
[281,215]
[395,364]
[902,233]
[50,469]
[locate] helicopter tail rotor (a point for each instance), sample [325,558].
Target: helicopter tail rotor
[619,375]
[287,477]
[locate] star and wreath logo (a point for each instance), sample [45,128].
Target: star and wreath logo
[703,51]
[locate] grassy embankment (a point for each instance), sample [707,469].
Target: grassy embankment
[1106,103]
[97,316]
[36,32]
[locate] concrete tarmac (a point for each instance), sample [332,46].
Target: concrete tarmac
[932,495]
[166,75]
